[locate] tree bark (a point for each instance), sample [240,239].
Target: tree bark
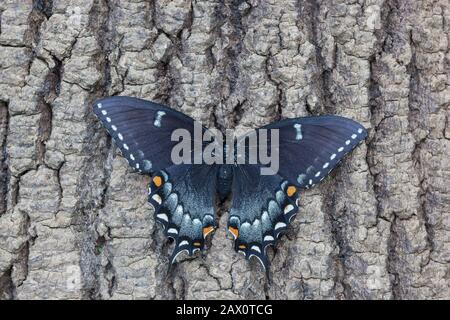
[74,219]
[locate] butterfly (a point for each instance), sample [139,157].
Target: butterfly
[184,195]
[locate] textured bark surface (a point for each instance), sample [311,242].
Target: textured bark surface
[74,222]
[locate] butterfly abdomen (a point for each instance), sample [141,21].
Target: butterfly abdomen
[224,181]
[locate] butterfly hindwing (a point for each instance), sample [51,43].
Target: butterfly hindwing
[261,209]
[142,130]
[184,198]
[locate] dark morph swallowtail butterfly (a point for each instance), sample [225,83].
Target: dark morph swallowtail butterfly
[184,195]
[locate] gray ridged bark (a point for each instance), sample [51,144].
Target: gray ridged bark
[74,222]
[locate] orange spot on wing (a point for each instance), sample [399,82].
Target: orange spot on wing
[157,181]
[234,232]
[242,246]
[291,190]
[207,230]
[197,244]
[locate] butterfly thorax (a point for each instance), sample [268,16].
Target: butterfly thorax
[224,181]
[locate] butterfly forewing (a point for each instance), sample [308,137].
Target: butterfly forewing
[142,130]
[311,147]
